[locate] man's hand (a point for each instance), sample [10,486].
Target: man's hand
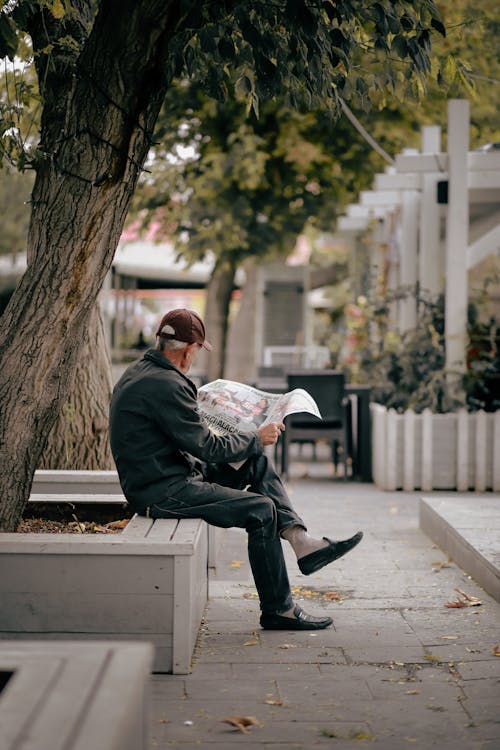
[270,433]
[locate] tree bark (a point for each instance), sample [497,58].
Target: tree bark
[79,438]
[94,148]
[219,291]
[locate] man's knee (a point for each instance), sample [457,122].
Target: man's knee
[262,513]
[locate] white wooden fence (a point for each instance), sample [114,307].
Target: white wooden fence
[435,451]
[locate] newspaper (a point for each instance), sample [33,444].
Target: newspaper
[229,407]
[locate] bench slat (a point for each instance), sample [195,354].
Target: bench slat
[164,529]
[138,527]
[77,498]
[187,531]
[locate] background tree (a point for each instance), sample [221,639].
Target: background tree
[243,193]
[99,109]
[240,187]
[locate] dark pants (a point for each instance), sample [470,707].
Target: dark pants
[217,494]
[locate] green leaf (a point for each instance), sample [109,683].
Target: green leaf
[449,69]
[400,46]
[57,9]
[439,26]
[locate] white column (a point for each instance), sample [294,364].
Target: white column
[431,260]
[457,234]
[408,258]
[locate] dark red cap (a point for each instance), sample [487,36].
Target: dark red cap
[183,325]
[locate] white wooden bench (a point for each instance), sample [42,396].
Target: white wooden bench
[149,583]
[90,487]
[74,696]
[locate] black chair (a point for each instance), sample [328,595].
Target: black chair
[327,389]
[270,371]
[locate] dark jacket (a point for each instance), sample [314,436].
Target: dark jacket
[155,430]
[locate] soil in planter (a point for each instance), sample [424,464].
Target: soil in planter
[68,518]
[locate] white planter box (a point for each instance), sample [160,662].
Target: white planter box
[435,451]
[148,583]
[75,696]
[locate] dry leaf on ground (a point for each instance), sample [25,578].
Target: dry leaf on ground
[496,650]
[334,596]
[242,722]
[236,563]
[437,566]
[274,702]
[465,601]
[251,643]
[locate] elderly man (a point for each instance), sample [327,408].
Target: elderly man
[172,466]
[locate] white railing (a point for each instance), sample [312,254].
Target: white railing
[297,356]
[435,451]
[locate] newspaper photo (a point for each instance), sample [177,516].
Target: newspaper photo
[229,407]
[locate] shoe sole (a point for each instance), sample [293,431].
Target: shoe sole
[308,570]
[292,626]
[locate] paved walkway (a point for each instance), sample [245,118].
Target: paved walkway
[397,670]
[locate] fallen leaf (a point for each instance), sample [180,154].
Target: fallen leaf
[328,733]
[457,604]
[473,600]
[287,645]
[242,722]
[449,637]
[274,702]
[413,692]
[465,601]
[80,526]
[253,595]
[361,736]
[236,564]
[117,524]
[251,643]
[333,596]
[431,657]
[437,566]
[496,650]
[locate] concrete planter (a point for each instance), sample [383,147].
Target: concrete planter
[85,487]
[148,583]
[74,696]
[435,451]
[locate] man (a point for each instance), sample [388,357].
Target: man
[172,466]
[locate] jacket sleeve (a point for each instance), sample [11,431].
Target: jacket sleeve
[178,416]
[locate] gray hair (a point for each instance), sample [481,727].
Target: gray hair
[170,345]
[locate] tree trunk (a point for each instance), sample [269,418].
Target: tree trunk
[219,291]
[96,132]
[80,438]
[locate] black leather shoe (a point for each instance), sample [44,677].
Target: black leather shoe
[316,560]
[300,621]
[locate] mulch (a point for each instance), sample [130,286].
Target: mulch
[66,518]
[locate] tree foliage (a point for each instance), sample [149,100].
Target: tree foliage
[303,50]
[239,186]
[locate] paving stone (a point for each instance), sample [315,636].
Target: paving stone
[280,672]
[381,673]
[479,669]
[374,654]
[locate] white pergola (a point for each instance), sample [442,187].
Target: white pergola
[438,241]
